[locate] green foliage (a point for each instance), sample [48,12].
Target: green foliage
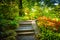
[35,8]
[56,11]
[9,17]
[8,24]
[46,34]
[7,34]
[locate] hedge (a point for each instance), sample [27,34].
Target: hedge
[9,13]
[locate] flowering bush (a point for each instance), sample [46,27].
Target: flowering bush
[54,23]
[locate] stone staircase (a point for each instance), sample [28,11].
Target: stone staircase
[26,31]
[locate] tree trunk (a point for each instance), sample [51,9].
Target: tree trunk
[21,8]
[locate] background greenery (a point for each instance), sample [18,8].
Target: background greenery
[46,12]
[9,14]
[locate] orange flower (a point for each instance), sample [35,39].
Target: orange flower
[49,22]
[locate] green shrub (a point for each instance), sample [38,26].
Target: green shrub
[46,34]
[9,14]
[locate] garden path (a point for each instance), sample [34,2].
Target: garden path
[27,30]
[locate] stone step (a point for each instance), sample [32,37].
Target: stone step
[25,25]
[24,30]
[26,22]
[26,33]
[26,37]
